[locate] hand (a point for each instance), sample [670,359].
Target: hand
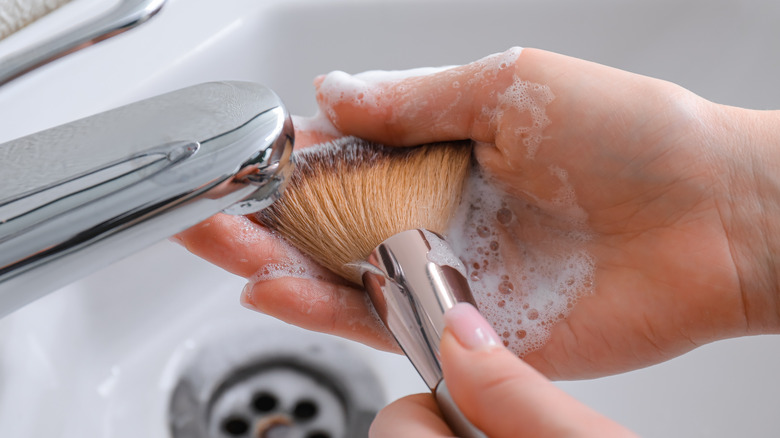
[498,393]
[671,186]
[282,281]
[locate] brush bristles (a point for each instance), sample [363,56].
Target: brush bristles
[346,197]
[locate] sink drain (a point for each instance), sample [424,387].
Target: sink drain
[279,383]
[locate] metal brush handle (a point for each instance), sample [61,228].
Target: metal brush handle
[452,414]
[413,278]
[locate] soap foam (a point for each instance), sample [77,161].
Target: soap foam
[317,123]
[524,96]
[489,67]
[295,264]
[441,253]
[527,265]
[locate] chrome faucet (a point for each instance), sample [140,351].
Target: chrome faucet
[82,195]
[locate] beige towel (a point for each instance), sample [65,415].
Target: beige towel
[15,14]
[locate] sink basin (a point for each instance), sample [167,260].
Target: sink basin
[99,357]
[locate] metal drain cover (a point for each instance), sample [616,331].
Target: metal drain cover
[281,382]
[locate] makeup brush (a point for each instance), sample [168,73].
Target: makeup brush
[375,215]
[345,197]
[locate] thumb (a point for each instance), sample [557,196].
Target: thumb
[502,395]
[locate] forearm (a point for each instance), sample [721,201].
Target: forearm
[752,213]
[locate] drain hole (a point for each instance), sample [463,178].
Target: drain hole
[235,426]
[264,402]
[305,410]
[318,434]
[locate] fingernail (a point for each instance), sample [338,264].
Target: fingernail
[246,297]
[470,328]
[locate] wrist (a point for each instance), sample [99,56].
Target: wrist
[752,161]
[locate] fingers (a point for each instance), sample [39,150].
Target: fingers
[310,131]
[517,99]
[412,416]
[503,396]
[237,244]
[321,306]
[319,302]
[234,243]
[450,104]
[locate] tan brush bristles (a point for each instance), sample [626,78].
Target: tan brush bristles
[344,198]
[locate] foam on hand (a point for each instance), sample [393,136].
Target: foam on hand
[294,264]
[527,97]
[526,271]
[318,123]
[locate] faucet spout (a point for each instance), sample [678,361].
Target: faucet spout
[82,195]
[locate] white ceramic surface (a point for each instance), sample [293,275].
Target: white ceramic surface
[97,357]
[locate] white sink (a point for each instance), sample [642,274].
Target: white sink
[97,358]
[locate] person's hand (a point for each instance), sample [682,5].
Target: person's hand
[679,193]
[498,393]
[283,282]
[678,196]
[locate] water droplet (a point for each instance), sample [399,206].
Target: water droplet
[521,334]
[505,334]
[505,342]
[475,265]
[533,314]
[483,231]
[474,276]
[494,245]
[501,303]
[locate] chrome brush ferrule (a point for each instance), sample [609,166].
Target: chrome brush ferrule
[413,278]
